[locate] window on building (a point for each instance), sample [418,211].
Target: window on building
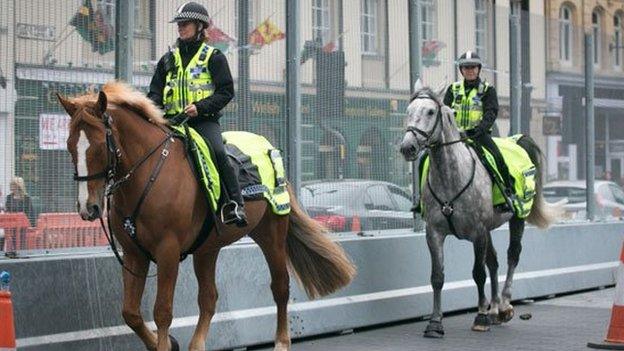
[141,16]
[428,20]
[320,21]
[369,26]
[597,36]
[108,10]
[565,33]
[617,38]
[481,28]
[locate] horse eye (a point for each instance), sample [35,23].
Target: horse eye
[431,112]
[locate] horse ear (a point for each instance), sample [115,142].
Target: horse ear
[418,85]
[69,106]
[441,89]
[102,102]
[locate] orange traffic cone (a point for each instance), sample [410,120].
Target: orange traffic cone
[615,334]
[7,329]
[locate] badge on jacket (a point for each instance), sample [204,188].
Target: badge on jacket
[196,71]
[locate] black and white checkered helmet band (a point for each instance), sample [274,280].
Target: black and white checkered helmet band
[191,11]
[469,58]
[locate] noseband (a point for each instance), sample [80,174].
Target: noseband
[113,155]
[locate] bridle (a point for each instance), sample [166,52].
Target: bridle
[446,207]
[113,183]
[438,122]
[113,155]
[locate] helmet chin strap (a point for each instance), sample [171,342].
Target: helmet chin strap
[200,30]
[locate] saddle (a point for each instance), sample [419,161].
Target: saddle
[258,165]
[521,169]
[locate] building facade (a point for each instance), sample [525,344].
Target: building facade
[357,139]
[567,23]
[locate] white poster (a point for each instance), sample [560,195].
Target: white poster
[53,131]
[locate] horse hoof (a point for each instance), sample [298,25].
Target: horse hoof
[174,343]
[481,323]
[480,328]
[506,316]
[434,330]
[495,319]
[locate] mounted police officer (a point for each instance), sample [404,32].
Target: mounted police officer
[194,78]
[476,107]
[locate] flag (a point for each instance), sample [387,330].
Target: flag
[266,33]
[92,27]
[219,39]
[430,49]
[329,47]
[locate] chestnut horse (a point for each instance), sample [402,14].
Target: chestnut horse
[120,144]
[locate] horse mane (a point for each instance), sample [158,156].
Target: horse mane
[122,94]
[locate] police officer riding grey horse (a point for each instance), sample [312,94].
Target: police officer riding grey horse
[457,192]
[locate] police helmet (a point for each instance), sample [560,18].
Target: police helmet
[469,58]
[191,11]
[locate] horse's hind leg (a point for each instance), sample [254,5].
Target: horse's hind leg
[435,242]
[168,258]
[482,321]
[271,237]
[516,229]
[205,267]
[492,263]
[133,291]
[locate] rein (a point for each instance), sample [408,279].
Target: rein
[446,207]
[110,172]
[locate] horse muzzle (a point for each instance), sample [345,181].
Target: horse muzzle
[92,212]
[409,150]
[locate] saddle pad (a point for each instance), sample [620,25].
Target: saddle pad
[204,165]
[521,169]
[520,166]
[260,169]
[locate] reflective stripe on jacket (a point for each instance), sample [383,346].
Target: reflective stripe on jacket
[468,108]
[186,86]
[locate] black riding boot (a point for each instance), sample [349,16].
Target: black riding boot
[508,192]
[232,210]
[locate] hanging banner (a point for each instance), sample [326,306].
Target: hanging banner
[53,131]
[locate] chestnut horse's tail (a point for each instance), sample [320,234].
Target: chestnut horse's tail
[318,263]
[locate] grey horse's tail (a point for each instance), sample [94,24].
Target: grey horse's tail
[542,213]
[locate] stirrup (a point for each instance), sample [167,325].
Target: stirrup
[240,221]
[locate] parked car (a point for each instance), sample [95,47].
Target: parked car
[608,195]
[357,205]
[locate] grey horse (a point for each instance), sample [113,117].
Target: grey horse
[458,200]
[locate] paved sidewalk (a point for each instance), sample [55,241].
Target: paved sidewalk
[560,323]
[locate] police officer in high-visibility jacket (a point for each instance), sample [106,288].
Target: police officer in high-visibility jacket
[475,103]
[194,78]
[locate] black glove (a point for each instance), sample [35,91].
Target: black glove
[475,132]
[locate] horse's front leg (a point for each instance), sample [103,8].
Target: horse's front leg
[516,229]
[492,264]
[134,284]
[167,258]
[435,242]
[205,267]
[482,321]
